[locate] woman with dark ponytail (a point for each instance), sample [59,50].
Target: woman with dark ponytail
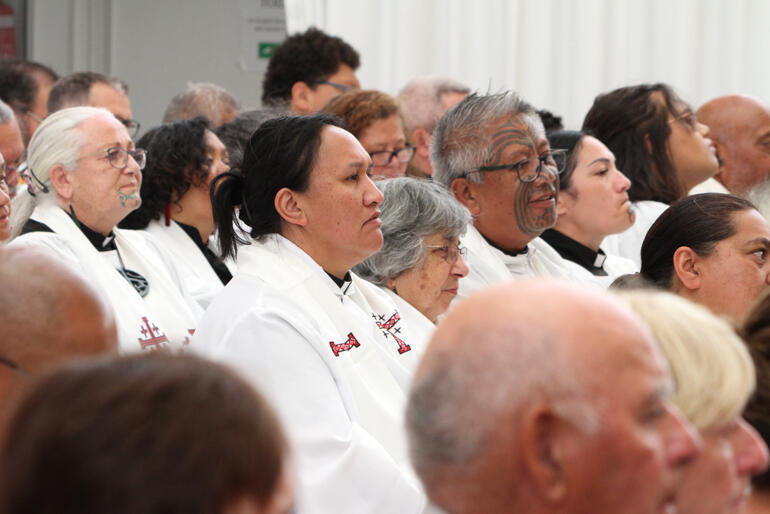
[329,349]
[183,157]
[711,248]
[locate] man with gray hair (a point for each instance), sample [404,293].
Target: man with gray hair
[511,412]
[48,313]
[492,153]
[93,89]
[11,146]
[423,101]
[211,101]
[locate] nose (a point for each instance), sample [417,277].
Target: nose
[751,455]
[459,268]
[683,442]
[5,197]
[623,182]
[547,175]
[372,194]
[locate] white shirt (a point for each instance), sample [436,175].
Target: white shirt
[710,185]
[337,378]
[198,275]
[487,265]
[628,244]
[166,317]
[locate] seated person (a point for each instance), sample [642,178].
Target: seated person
[711,248]
[420,263]
[5,204]
[84,177]
[593,203]
[328,348]
[145,433]
[713,380]
[756,332]
[183,157]
[375,119]
[491,152]
[660,146]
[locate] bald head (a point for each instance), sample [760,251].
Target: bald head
[48,313]
[528,378]
[740,129]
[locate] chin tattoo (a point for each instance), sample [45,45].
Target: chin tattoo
[130,199]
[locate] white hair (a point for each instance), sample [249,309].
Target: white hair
[56,141]
[421,101]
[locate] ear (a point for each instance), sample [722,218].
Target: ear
[541,443]
[421,140]
[60,180]
[563,204]
[301,98]
[288,207]
[686,267]
[463,192]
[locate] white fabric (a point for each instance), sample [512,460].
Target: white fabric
[198,275]
[710,185]
[614,266]
[628,244]
[420,328]
[336,378]
[488,265]
[166,317]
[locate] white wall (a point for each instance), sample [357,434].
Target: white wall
[156,46]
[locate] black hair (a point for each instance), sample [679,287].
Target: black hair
[628,120]
[17,86]
[551,122]
[235,134]
[176,160]
[280,154]
[309,57]
[572,142]
[698,222]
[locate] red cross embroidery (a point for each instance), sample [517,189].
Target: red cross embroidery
[152,334]
[390,327]
[350,343]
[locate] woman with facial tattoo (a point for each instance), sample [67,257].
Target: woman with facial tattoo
[84,177]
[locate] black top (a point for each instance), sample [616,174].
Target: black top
[576,252]
[213,259]
[343,283]
[506,252]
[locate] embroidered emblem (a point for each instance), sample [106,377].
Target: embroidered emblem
[153,335]
[389,328]
[186,339]
[350,343]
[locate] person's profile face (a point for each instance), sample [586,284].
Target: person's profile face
[381,139]
[690,148]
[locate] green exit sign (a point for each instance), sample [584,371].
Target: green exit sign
[266,50]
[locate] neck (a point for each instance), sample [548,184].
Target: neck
[96,221]
[503,239]
[328,259]
[566,227]
[194,213]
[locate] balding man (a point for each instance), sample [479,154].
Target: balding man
[211,101]
[543,398]
[48,313]
[423,101]
[740,129]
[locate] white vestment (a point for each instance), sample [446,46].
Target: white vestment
[628,244]
[336,371]
[198,275]
[488,265]
[166,317]
[420,328]
[710,185]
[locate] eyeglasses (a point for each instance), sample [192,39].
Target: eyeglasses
[555,161]
[384,157]
[450,252]
[131,125]
[341,87]
[15,367]
[687,117]
[32,115]
[118,156]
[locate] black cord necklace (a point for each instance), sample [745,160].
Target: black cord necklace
[137,281]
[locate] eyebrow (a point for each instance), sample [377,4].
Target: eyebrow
[761,240]
[600,159]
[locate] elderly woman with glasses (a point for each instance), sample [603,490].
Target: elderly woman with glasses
[420,263]
[375,119]
[84,177]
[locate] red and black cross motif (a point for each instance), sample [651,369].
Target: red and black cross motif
[186,339]
[350,343]
[389,328]
[152,334]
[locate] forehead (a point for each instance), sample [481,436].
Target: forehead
[212,142]
[344,75]
[339,148]
[106,96]
[102,129]
[520,128]
[749,225]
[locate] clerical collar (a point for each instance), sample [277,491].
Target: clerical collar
[101,242]
[576,252]
[506,252]
[213,259]
[342,283]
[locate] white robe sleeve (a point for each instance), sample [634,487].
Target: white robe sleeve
[342,468]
